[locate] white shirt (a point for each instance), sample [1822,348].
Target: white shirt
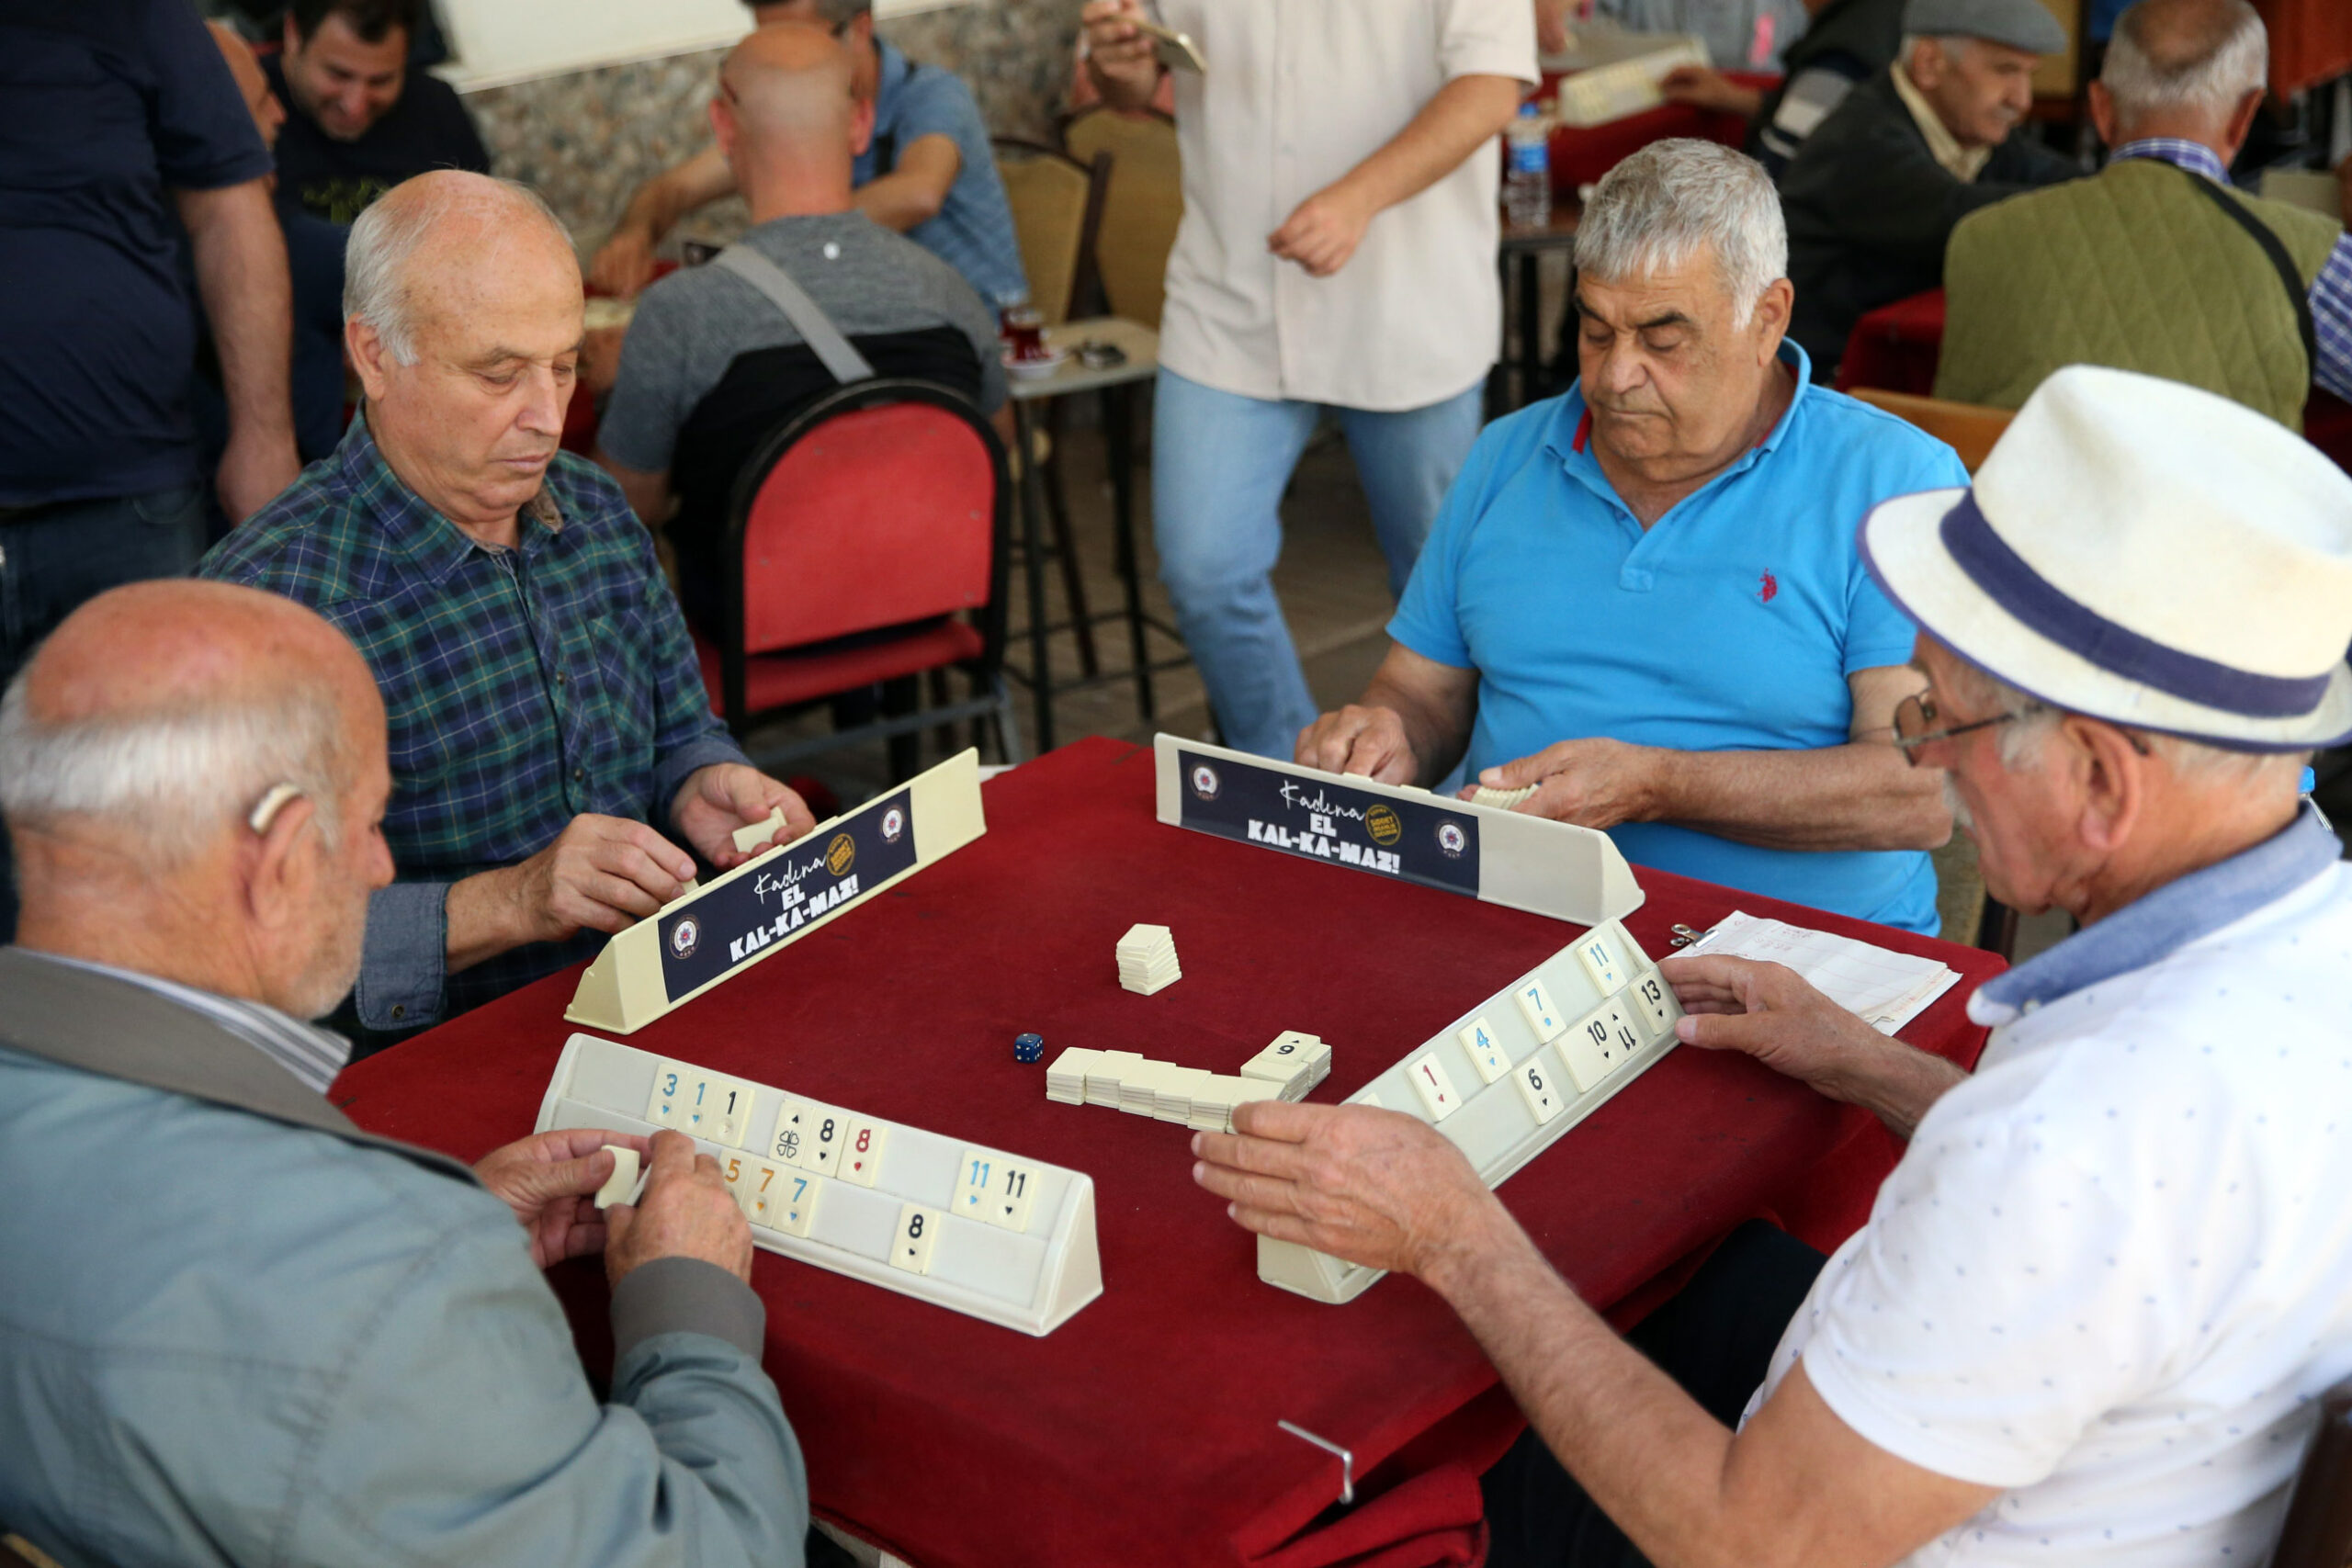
[1298,93]
[2115,1266]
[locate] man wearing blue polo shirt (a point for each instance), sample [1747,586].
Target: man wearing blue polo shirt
[929,173]
[1644,597]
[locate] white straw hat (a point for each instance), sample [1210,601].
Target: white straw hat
[2142,552]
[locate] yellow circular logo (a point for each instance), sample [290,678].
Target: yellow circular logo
[839,853]
[1381,824]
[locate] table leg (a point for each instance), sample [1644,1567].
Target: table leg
[1118,417]
[1033,562]
[1498,379]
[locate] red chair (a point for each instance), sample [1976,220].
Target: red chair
[867,545]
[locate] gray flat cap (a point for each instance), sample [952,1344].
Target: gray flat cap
[2020,24]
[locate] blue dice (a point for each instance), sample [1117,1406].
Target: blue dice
[1029,1048]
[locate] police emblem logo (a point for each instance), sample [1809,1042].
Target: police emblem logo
[1452,840]
[1204,781]
[894,822]
[1383,825]
[841,855]
[684,937]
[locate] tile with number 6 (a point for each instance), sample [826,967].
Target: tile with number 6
[1539,1088]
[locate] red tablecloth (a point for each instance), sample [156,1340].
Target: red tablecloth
[1142,1430]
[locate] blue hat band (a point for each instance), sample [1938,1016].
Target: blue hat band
[2016,587]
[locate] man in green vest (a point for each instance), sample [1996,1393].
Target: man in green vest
[2157,264]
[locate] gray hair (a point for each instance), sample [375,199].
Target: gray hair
[1663,205]
[1954,45]
[173,780]
[2023,742]
[385,236]
[2222,65]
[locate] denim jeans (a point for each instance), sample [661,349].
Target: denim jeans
[1220,462]
[53,559]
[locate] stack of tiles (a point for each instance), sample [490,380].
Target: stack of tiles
[1065,1079]
[1295,1062]
[1147,960]
[1187,1096]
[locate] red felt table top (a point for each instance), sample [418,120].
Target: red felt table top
[1143,1431]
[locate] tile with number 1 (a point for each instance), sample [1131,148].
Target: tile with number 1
[1429,1078]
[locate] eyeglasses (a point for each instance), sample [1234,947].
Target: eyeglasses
[1915,725]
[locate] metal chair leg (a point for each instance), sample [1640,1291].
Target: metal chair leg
[1081,619]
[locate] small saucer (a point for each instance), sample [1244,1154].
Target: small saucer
[1036,369]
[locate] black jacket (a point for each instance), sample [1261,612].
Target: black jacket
[1848,40]
[1870,208]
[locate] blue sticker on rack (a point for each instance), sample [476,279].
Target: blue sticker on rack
[1404,839]
[738,920]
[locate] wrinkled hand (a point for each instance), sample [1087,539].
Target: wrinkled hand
[602,873]
[1374,1187]
[1591,782]
[1771,1013]
[1368,743]
[686,1212]
[1705,89]
[623,262]
[716,800]
[550,1181]
[254,470]
[1114,45]
[1324,231]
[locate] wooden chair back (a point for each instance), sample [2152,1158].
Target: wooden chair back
[1142,209]
[1968,428]
[1057,203]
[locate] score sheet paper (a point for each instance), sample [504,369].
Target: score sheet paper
[1884,989]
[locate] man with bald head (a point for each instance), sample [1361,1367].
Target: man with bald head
[547,717]
[2159,265]
[713,365]
[260,1334]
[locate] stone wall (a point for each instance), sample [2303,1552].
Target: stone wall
[586,140]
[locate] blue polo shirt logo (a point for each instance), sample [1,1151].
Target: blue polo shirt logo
[1769,589]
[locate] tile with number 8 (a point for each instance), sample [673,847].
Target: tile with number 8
[1437,1095]
[1537,1088]
[827,1133]
[862,1145]
[918,1233]
[1486,1052]
[1543,1014]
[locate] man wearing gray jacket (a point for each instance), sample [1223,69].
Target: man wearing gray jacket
[235,1328]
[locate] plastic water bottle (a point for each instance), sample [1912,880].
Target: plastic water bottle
[1527,168]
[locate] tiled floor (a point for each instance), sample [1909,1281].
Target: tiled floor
[1334,587]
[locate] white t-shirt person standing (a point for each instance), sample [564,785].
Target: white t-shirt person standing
[1337,252]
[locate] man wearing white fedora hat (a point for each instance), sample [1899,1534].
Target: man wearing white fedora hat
[2094,1304]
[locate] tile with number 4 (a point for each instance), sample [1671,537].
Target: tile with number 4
[1486,1052]
[796,1202]
[918,1233]
[862,1144]
[1602,953]
[1539,1088]
[1651,1003]
[1439,1097]
[1543,1014]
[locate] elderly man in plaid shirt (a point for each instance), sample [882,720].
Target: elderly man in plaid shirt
[547,712]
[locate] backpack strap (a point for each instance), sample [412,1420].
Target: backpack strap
[815,328]
[2273,247]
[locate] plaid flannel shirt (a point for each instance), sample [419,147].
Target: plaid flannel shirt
[522,689]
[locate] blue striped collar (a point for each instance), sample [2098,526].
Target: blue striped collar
[2160,924]
[312,1055]
[2194,156]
